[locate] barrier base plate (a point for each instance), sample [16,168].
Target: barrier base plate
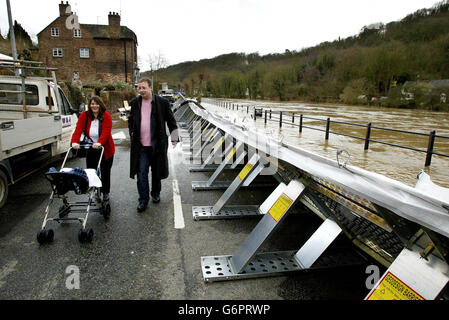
[227,212]
[223,185]
[212,168]
[217,268]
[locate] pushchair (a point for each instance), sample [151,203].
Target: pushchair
[80,181]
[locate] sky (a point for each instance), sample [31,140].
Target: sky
[191,30]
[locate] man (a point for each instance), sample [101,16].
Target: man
[149,141]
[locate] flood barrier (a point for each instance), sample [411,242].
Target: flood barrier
[383,218]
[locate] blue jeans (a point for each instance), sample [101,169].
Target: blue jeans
[147,160]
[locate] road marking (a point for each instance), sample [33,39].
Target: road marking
[177,204]
[179,217]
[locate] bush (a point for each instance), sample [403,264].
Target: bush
[120,85]
[355,92]
[395,99]
[75,95]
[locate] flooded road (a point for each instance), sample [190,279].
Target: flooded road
[396,163]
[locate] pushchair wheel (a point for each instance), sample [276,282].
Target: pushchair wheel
[44,236]
[41,237]
[85,235]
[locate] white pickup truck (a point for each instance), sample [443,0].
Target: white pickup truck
[34,131]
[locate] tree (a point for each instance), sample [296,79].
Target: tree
[325,62]
[278,84]
[23,39]
[383,64]
[156,62]
[253,81]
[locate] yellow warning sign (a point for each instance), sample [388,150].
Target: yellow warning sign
[280,207]
[221,142]
[392,288]
[229,156]
[245,171]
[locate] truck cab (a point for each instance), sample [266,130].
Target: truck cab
[36,125]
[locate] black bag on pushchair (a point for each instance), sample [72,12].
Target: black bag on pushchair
[64,181]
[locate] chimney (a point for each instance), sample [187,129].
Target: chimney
[63,9]
[114,24]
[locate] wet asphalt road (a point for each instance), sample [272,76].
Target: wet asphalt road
[141,256]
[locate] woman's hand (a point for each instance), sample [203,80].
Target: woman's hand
[75,146]
[96,145]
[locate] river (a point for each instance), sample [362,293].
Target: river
[397,163]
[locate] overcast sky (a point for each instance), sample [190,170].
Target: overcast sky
[191,30]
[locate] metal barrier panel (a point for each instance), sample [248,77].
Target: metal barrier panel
[317,243]
[266,226]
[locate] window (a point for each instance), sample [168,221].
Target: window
[66,108]
[9,94]
[84,53]
[54,32]
[57,52]
[77,33]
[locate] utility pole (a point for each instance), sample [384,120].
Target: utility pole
[12,37]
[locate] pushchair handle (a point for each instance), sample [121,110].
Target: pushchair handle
[84,146]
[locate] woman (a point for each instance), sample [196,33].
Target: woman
[96,124]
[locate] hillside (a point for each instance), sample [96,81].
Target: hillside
[375,63]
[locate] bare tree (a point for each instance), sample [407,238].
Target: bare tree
[156,61]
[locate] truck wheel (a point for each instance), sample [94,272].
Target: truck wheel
[3,188]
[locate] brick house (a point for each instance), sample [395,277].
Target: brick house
[90,52]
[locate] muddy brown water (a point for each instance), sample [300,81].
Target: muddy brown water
[397,163]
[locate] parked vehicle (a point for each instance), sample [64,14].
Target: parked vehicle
[167,94]
[36,123]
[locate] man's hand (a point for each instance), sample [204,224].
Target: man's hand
[75,146]
[96,145]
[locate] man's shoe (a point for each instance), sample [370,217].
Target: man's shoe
[141,207]
[156,199]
